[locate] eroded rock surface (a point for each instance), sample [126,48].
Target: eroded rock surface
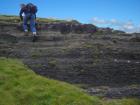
[84,58]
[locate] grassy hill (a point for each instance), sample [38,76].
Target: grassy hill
[21,86]
[16,19]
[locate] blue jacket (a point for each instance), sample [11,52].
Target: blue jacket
[25,11]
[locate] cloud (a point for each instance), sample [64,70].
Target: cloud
[127,26]
[99,21]
[65,18]
[130,27]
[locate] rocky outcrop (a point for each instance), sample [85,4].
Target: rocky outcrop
[97,59]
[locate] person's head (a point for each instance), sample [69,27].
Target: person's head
[22,5]
[30,3]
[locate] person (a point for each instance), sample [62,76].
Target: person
[28,13]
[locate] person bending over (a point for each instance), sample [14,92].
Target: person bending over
[28,13]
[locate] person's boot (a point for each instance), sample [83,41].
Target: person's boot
[26,33]
[35,37]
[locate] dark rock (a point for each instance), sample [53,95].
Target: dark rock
[6,38]
[80,57]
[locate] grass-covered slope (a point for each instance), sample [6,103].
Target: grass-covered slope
[16,19]
[21,86]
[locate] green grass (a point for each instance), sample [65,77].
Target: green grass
[21,86]
[16,19]
[9,19]
[122,102]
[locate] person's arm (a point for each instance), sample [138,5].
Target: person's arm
[20,14]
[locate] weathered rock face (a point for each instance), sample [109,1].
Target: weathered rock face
[115,92]
[93,59]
